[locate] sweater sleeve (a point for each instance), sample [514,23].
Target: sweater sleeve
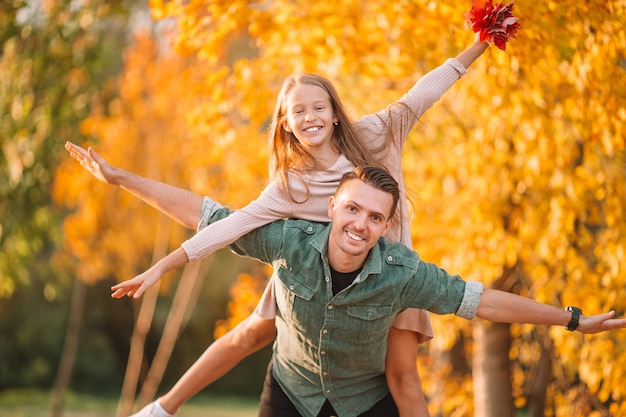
[402,115]
[271,205]
[312,191]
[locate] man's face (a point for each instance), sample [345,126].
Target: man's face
[360,215]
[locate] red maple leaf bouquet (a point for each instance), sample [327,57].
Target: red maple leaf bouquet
[495,23]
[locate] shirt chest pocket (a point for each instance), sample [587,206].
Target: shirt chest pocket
[372,321]
[293,299]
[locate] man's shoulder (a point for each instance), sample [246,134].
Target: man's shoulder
[305,226]
[397,254]
[293,231]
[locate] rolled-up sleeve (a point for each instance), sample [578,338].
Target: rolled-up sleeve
[456,64]
[471,300]
[209,207]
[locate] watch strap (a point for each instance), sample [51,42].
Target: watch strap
[574,321]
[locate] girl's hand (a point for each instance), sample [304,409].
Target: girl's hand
[495,23]
[137,286]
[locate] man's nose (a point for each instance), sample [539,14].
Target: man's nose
[359,222]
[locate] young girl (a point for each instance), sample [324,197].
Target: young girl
[313,143]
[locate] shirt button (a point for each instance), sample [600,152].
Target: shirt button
[324,331]
[330,307]
[325,373]
[327,279]
[390,258]
[310,229]
[327,391]
[291,287]
[323,352]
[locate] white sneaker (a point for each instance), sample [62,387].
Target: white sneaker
[153,409]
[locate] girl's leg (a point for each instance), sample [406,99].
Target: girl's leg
[246,338]
[401,371]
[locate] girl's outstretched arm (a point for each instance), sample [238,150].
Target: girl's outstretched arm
[475,50]
[137,286]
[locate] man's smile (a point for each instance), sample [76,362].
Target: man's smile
[354,236]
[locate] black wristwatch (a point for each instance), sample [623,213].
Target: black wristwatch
[573,323]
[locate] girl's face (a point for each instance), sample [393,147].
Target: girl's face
[310,116]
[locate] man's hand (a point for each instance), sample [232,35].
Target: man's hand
[600,323]
[92,162]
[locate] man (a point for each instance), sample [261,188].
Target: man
[338,288]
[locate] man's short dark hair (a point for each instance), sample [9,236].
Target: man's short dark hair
[375,177]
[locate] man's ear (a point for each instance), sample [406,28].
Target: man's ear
[387,227]
[331,206]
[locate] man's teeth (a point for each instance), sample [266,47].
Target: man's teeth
[353,236]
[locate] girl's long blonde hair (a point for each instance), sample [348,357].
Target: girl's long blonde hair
[285,150]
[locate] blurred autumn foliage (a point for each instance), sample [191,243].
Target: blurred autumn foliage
[516,176]
[53,59]
[245,294]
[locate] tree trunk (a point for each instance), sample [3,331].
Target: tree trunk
[184,300]
[454,360]
[490,363]
[68,357]
[491,370]
[142,326]
[540,377]
[136,354]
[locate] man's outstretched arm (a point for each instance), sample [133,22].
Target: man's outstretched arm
[183,206]
[503,307]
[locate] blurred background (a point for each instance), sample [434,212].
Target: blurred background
[516,177]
